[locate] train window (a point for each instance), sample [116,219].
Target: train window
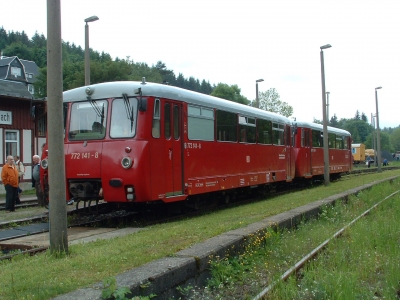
[200,123]
[264,131]
[226,126]
[278,131]
[339,142]
[247,128]
[155,130]
[167,120]
[345,142]
[88,120]
[317,140]
[332,140]
[305,138]
[177,133]
[123,118]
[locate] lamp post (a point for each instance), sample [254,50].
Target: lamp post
[327,106]
[257,102]
[87,56]
[378,137]
[325,125]
[373,137]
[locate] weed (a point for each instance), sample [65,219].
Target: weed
[111,291]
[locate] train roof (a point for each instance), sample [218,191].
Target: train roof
[316,126]
[114,89]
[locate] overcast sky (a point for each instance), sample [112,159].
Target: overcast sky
[238,42]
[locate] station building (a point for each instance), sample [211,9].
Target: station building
[22,116]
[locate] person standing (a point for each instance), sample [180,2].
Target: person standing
[9,176]
[21,173]
[36,179]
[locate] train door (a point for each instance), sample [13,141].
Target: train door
[306,147]
[288,142]
[173,148]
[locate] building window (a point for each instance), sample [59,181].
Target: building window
[15,71]
[31,89]
[12,142]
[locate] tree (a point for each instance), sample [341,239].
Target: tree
[395,139]
[358,129]
[232,93]
[364,117]
[334,121]
[167,75]
[18,49]
[270,101]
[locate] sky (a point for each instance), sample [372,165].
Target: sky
[238,42]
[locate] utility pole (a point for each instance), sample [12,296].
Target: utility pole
[55,127]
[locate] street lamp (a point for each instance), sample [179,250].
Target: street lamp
[257,102]
[87,56]
[325,125]
[327,106]
[378,138]
[373,137]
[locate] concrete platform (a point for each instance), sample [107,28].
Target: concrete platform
[75,235]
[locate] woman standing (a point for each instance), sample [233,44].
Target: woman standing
[9,176]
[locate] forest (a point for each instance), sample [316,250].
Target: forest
[104,68]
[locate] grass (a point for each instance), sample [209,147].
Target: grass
[363,264]
[44,276]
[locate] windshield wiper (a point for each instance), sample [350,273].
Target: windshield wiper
[99,112]
[128,109]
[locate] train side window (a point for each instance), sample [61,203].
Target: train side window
[339,142]
[226,126]
[200,123]
[278,134]
[345,143]
[332,140]
[167,121]
[247,128]
[316,138]
[264,131]
[155,130]
[177,128]
[302,138]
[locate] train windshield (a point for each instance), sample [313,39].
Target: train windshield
[88,120]
[123,117]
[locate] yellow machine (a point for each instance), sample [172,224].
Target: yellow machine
[358,151]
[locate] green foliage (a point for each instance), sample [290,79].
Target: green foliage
[359,130]
[270,101]
[229,92]
[111,291]
[395,139]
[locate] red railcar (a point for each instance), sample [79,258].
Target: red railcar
[142,142]
[309,151]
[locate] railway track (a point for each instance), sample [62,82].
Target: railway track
[317,251]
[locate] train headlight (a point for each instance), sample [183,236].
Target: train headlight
[126,162]
[44,164]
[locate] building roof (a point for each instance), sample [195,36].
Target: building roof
[30,66]
[14,89]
